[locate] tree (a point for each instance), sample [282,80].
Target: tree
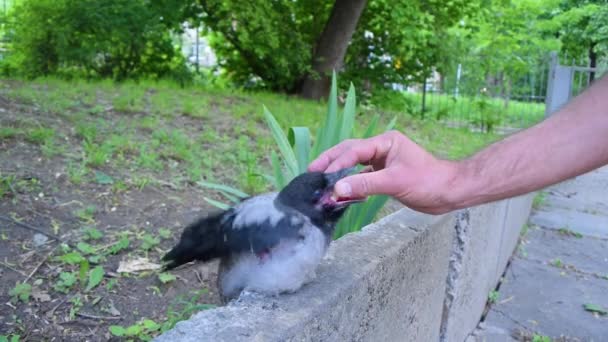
[331,47]
[100,38]
[582,27]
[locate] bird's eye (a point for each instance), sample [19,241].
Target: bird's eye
[317,195]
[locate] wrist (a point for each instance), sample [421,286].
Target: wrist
[460,184]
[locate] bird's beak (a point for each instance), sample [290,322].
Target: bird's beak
[333,178]
[331,199]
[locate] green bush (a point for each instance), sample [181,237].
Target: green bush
[117,39]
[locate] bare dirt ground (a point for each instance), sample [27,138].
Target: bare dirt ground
[40,196]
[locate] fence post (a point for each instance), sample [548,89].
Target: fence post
[559,85]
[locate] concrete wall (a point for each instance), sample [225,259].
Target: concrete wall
[408,277]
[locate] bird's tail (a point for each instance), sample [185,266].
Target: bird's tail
[201,240]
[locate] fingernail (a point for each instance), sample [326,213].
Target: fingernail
[343,189]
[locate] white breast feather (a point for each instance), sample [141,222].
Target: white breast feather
[291,265]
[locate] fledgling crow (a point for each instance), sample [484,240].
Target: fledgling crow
[271,243]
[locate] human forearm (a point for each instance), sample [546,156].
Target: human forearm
[569,143]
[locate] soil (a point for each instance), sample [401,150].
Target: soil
[45,199]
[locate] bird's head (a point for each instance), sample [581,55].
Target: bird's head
[312,194]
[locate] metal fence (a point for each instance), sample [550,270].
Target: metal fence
[497,103]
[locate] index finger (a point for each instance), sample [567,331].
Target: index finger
[327,157]
[356,152]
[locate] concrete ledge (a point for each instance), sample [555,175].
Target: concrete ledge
[381,284]
[408,277]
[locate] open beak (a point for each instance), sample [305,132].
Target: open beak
[330,199]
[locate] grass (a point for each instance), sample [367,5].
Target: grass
[120,137]
[539,199]
[155,127]
[465,109]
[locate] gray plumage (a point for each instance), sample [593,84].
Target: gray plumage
[271,243]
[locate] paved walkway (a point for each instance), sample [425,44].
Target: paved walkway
[560,266]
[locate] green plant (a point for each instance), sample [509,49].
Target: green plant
[493,296]
[65,282]
[539,199]
[296,153]
[10,338]
[540,338]
[568,232]
[148,242]
[595,309]
[166,277]
[21,292]
[144,330]
[557,262]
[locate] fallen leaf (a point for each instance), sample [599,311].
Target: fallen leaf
[136,265]
[41,296]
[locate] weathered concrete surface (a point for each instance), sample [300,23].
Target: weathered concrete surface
[555,271]
[547,300]
[385,283]
[485,240]
[518,214]
[585,254]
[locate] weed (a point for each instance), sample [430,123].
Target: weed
[594,308]
[539,200]
[524,230]
[9,132]
[148,159]
[10,338]
[21,292]
[166,277]
[540,338]
[118,246]
[92,234]
[76,173]
[65,282]
[6,185]
[96,154]
[493,296]
[567,232]
[148,242]
[86,214]
[76,306]
[557,262]
[39,135]
[164,233]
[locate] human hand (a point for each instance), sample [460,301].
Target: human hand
[398,168]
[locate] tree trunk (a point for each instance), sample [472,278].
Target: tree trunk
[592,62]
[331,47]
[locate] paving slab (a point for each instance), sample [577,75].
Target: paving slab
[542,299]
[584,223]
[586,254]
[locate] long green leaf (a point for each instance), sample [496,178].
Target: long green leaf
[371,128]
[218,204]
[279,136]
[328,130]
[222,188]
[299,138]
[279,176]
[348,116]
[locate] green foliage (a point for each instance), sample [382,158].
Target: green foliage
[108,38]
[95,277]
[402,41]
[10,338]
[296,153]
[541,338]
[21,292]
[539,199]
[582,27]
[595,309]
[265,42]
[145,329]
[493,296]
[166,277]
[65,282]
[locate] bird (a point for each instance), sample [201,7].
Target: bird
[271,243]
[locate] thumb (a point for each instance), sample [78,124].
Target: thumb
[366,184]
